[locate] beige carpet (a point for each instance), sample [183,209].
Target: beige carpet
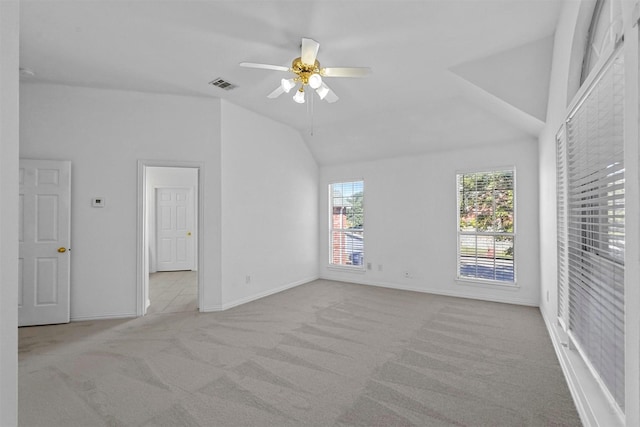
[322,354]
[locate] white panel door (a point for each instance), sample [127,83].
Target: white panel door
[174,228]
[44,238]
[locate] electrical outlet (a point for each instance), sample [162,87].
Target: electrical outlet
[247,279]
[368,266]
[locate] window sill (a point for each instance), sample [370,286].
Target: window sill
[347,269]
[467,281]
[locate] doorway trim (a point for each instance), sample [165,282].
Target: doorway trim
[142,253]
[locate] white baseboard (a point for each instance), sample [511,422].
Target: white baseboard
[592,405]
[103,317]
[382,284]
[257,296]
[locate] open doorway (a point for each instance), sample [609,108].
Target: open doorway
[169,219]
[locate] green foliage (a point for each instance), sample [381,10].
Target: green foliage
[355,212]
[486,201]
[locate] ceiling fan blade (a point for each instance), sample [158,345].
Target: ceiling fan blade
[276,93]
[309,51]
[264,66]
[331,97]
[346,71]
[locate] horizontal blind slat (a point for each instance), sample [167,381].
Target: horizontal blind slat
[594,223]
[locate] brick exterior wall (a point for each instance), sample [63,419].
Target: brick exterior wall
[339,218]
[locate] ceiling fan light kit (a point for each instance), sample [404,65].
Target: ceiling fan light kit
[308,73]
[287,84]
[322,91]
[299,96]
[315,81]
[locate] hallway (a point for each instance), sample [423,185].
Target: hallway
[173,291]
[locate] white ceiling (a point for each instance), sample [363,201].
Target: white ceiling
[446,73]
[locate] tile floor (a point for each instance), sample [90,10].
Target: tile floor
[173,291]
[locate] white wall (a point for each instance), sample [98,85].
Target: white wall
[260,183]
[9,64]
[158,177]
[592,405]
[411,214]
[270,207]
[104,133]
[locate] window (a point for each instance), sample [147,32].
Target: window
[486,224]
[604,31]
[346,240]
[591,222]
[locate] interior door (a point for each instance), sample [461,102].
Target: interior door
[44,238]
[174,228]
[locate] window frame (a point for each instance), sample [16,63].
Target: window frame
[331,229]
[478,280]
[608,40]
[593,253]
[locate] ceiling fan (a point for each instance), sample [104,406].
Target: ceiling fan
[308,73]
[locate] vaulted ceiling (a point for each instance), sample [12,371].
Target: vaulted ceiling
[446,73]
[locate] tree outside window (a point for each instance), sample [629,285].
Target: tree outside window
[486,233]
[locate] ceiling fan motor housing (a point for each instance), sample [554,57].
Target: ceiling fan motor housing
[304,71]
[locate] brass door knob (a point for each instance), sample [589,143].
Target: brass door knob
[62,250]
[188,233]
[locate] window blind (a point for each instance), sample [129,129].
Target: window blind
[561,206]
[595,226]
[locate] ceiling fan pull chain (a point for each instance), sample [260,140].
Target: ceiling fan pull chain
[310,113]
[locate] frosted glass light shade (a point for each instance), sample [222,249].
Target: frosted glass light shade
[287,84]
[322,91]
[315,81]
[299,97]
